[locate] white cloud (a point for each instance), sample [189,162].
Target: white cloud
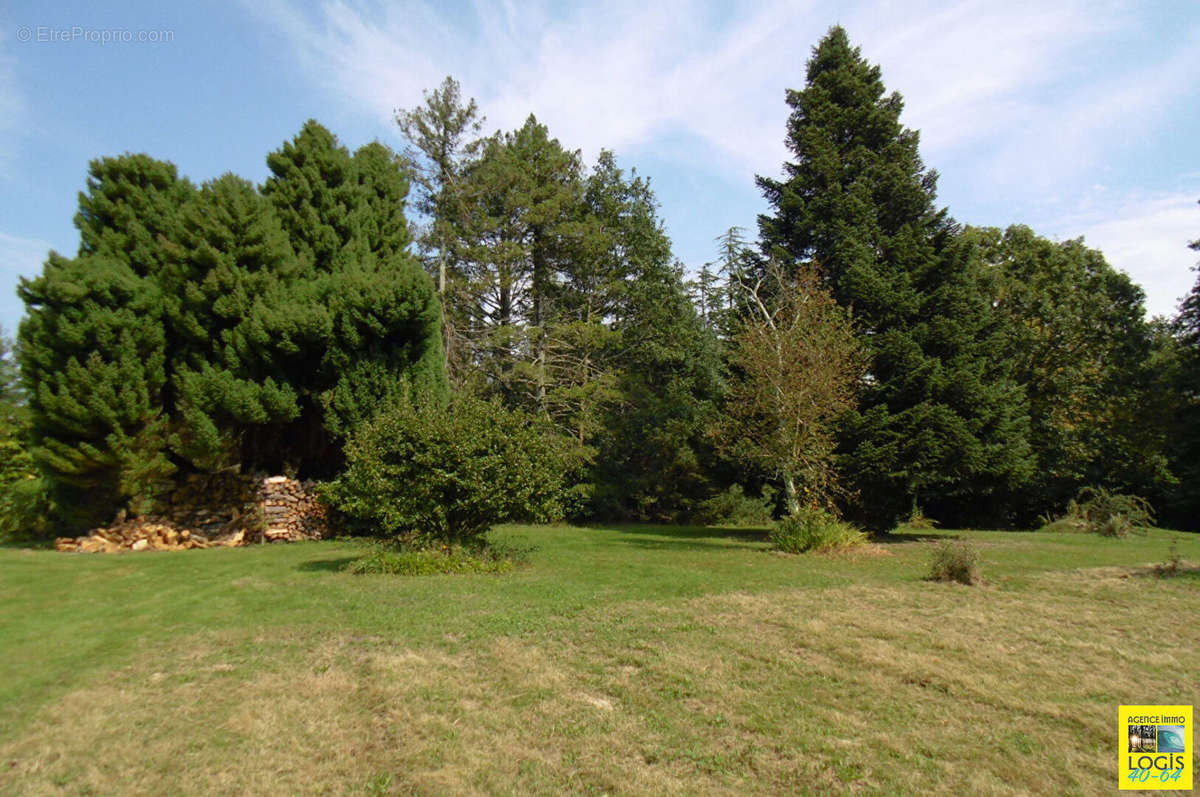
[1147,238]
[978,76]
[612,75]
[1021,105]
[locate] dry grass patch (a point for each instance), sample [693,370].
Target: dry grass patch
[912,689]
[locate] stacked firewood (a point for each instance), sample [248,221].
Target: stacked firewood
[215,505]
[145,534]
[213,511]
[291,510]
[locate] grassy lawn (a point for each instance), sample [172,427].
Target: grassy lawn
[633,660]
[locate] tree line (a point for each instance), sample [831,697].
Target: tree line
[867,354]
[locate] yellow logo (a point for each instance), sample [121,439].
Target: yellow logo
[1155,747]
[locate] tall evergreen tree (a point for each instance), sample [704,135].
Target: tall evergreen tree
[521,230]
[663,362]
[95,346]
[939,419]
[234,380]
[344,217]
[93,357]
[213,329]
[443,137]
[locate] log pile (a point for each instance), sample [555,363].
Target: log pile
[291,510]
[145,534]
[215,505]
[224,510]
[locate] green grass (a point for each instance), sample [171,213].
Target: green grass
[640,660]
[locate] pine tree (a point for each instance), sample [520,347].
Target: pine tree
[663,361]
[522,228]
[221,328]
[443,137]
[93,358]
[940,421]
[94,346]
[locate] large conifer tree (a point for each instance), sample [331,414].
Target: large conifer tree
[940,421]
[344,215]
[203,330]
[95,346]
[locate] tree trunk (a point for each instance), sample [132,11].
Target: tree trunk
[789,492]
[540,282]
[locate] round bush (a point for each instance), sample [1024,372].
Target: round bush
[813,529]
[422,473]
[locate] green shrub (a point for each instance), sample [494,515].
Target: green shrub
[421,473]
[955,560]
[399,560]
[734,508]
[1098,511]
[919,521]
[815,530]
[26,511]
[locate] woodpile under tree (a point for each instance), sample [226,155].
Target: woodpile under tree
[215,511]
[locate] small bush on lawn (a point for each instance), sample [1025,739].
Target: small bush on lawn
[812,529]
[955,560]
[399,560]
[734,508]
[919,521]
[425,475]
[1098,511]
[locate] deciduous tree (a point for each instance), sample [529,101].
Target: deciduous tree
[796,362]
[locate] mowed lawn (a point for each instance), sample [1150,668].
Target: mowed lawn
[647,660]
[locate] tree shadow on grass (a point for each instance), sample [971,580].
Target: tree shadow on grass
[695,538]
[326,565]
[899,535]
[29,543]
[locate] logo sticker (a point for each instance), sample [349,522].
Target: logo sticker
[1155,745]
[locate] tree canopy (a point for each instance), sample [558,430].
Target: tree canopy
[940,418]
[224,327]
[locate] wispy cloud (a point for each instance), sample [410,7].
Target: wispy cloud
[1021,104]
[1146,238]
[976,75]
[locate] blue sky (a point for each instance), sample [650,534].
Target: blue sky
[1077,118]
